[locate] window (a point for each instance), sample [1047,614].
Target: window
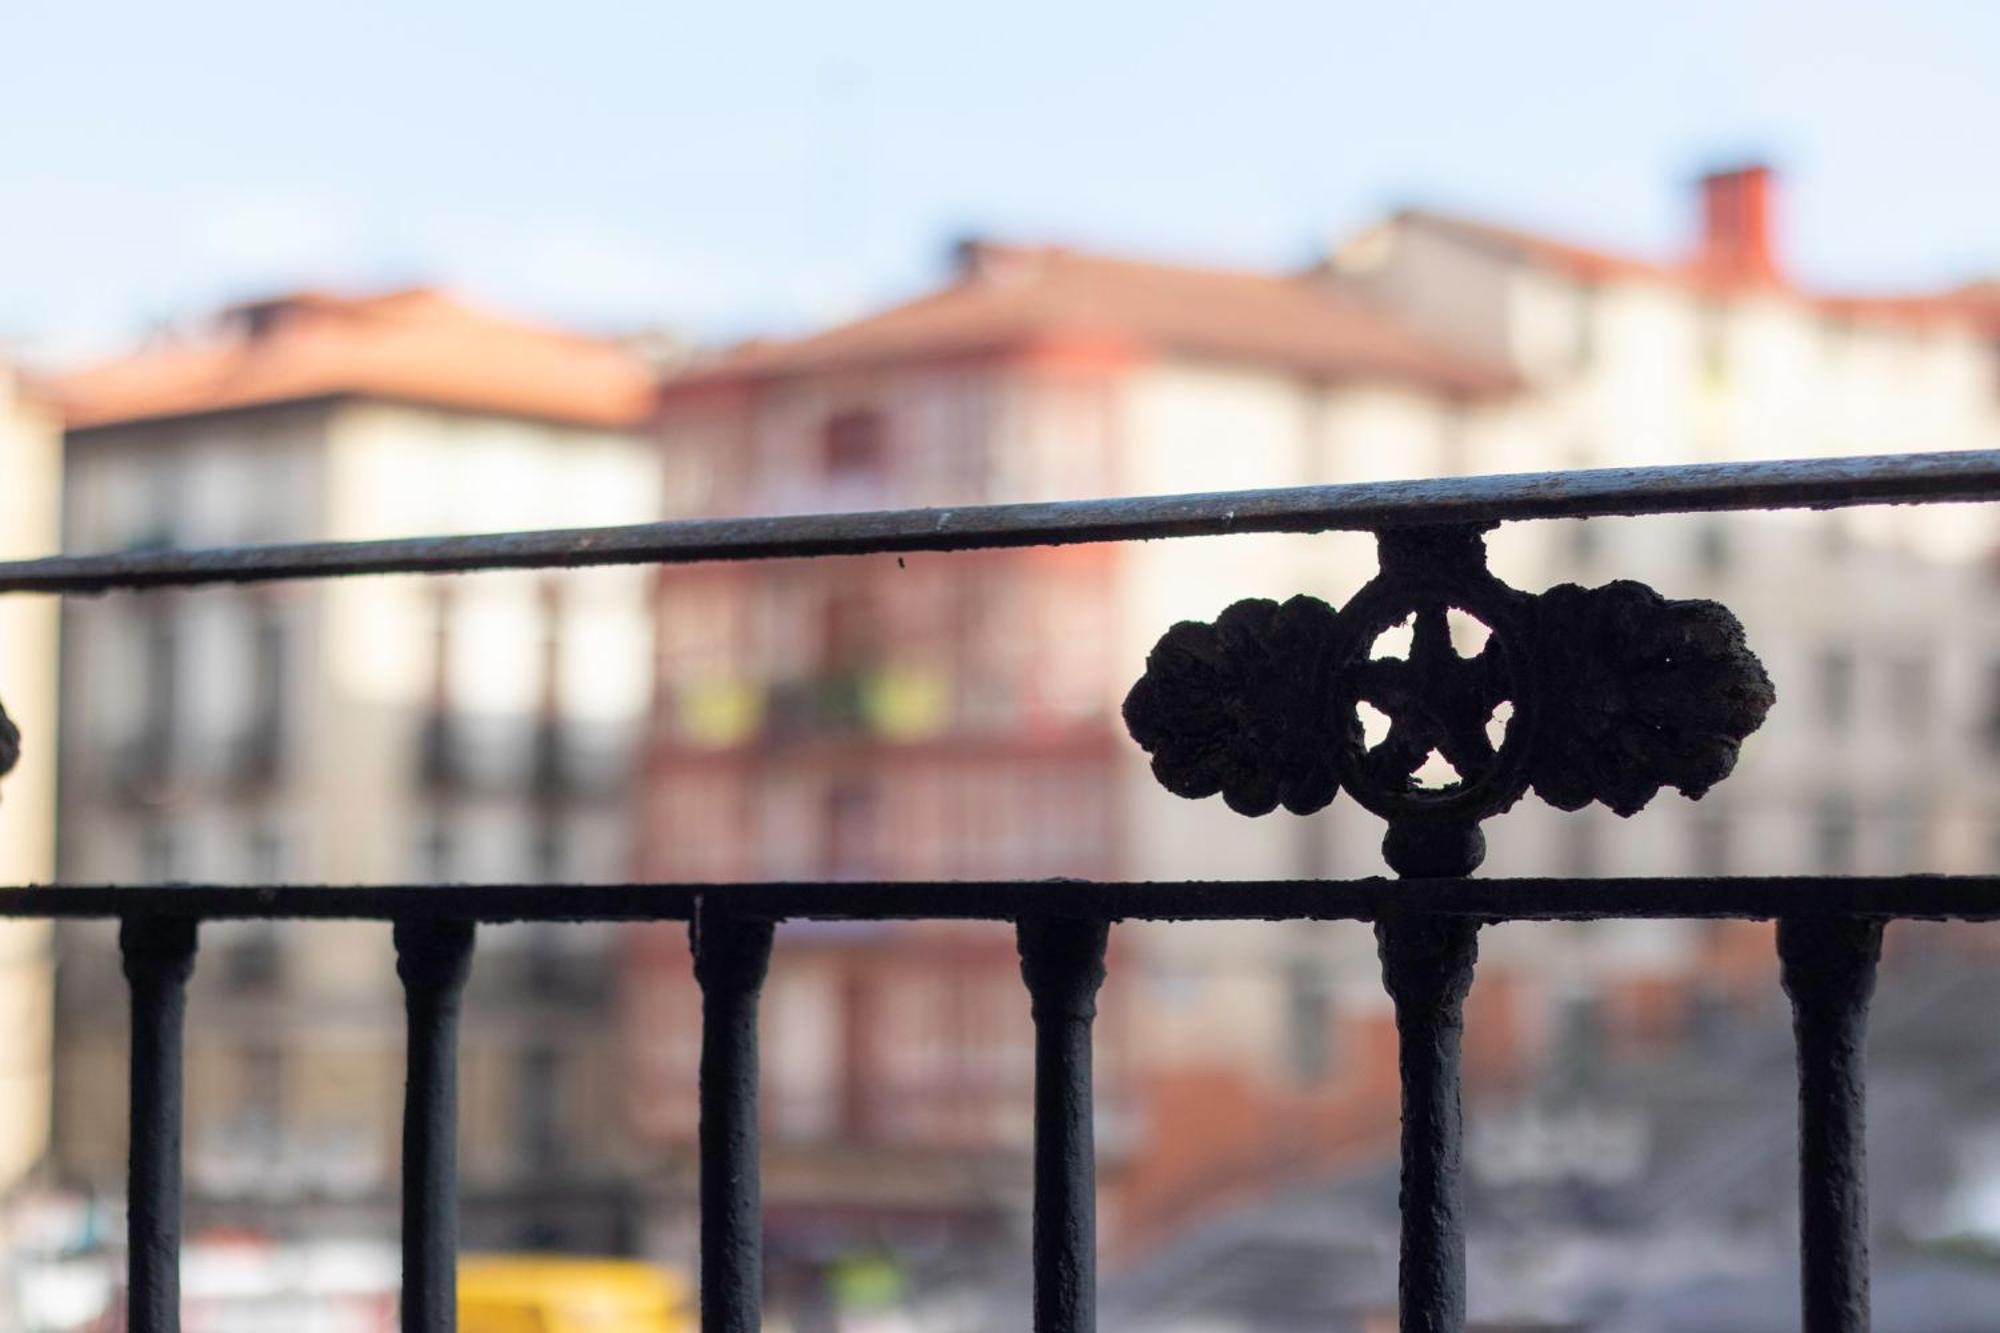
[1582,847]
[438,756]
[854,446]
[253,957]
[159,852]
[160,653]
[260,1103]
[1833,836]
[850,837]
[548,775]
[1907,835]
[850,629]
[1712,545]
[1578,1053]
[838,695]
[1585,544]
[550,850]
[264,856]
[439,850]
[544,960]
[1709,843]
[537,1128]
[1836,688]
[1993,707]
[1308,1022]
[262,750]
[1911,700]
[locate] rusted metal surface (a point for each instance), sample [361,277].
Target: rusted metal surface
[731,957]
[1615,692]
[1752,898]
[10,743]
[1827,965]
[1062,962]
[1820,483]
[158,959]
[433,958]
[1427,964]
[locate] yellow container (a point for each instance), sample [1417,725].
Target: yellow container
[557,1294]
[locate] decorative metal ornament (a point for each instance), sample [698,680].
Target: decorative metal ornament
[10,742]
[1615,691]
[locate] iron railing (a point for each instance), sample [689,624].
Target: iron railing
[1616,692]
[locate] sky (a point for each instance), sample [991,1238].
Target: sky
[739,168]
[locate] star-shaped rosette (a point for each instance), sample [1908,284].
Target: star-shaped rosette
[1615,692]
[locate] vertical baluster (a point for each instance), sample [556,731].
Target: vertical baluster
[1427,963]
[1827,965]
[159,958]
[1427,966]
[432,958]
[1062,961]
[731,957]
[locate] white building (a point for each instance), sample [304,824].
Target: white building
[30,510]
[1880,627]
[369,730]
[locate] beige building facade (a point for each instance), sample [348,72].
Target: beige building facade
[367,731]
[30,525]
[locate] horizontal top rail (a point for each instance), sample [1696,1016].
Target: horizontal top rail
[1819,483]
[1909,897]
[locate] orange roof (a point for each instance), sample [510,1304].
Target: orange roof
[417,346]
[1589,264]
[1009,297]
[1976,304]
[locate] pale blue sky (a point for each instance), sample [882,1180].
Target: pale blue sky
[729,168]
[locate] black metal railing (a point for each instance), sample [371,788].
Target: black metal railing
[1615,691]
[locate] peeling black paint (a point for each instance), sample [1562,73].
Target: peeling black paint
[1819,483]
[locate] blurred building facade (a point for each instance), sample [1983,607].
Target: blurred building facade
[931,717]
[956,716]
[1881,627]
[939,717]
[30,514]
[364,731]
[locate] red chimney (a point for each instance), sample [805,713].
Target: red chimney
[1736,225]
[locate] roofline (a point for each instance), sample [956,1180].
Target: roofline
[636,427]
[1927,309]
[721,377]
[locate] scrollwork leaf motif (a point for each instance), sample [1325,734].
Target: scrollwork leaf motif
[10,743]
[1639,692]
[1241,707]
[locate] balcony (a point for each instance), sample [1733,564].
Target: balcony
[1616,693]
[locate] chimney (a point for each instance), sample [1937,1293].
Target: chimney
[977,259]
[1736,225]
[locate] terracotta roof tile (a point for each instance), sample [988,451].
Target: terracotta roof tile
[418,346]
[1976,304]
[1017,296]
[1589,264]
